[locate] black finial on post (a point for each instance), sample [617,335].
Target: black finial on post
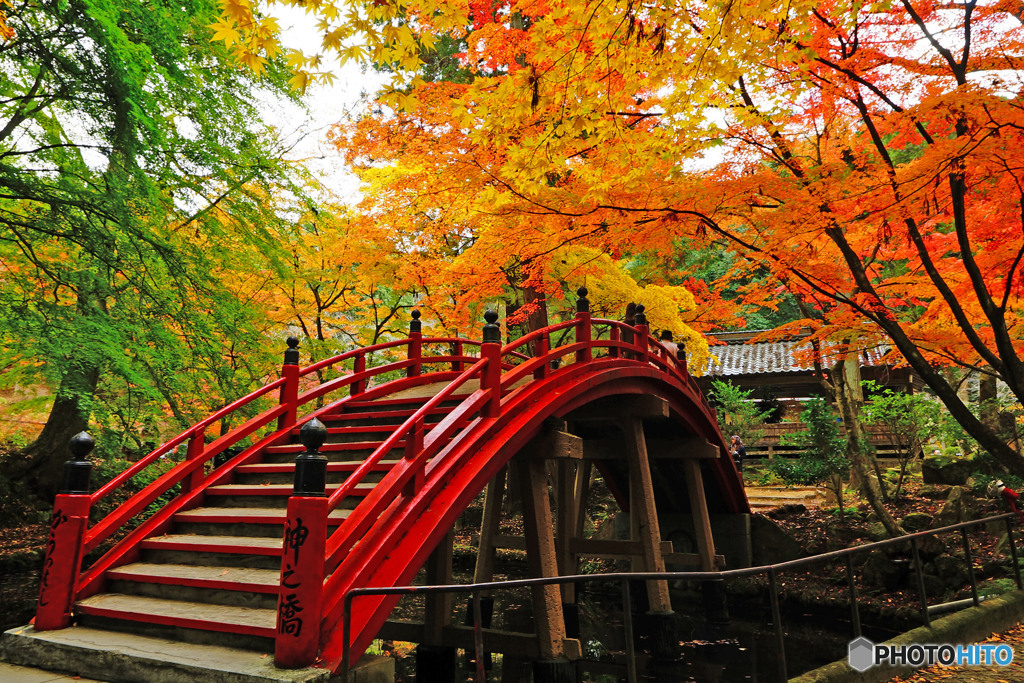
[641,318]
[582,303]
[492,331]
[291,354]
[415,325]
[78,469]
[311,467]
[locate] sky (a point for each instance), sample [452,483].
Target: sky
[326,105]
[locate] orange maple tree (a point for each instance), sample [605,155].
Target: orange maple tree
[865,155]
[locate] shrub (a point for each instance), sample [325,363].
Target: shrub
[824,460]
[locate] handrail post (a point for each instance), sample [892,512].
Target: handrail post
[358,365]
[614,335]
[922,593]
[67,535]
[415,345]
[457,351]
[490,349]
[681,357]
[584,332]
[643,349]
[1013,553]
[290,389]
[780,640]
[413,446]
[970,565]
[300,601]
[542,346]
[196,446]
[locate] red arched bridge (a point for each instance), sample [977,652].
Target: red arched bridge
[352,480]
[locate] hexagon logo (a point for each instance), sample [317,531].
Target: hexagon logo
[862,654]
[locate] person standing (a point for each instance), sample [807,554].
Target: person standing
[738,451]
[666,341]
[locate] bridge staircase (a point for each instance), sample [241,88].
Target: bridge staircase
[259,546]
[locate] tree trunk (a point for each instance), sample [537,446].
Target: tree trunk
[42,466]
[860,460]
[988,406]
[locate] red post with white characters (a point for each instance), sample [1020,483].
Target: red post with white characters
[300,601]
[67,534]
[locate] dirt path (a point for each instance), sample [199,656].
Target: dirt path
[983,674]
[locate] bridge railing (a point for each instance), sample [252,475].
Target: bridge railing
[494,367]
[499,370]
[63,582]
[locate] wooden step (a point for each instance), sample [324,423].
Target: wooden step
[332,467]
[222,578]
[396,417]
[360,489]
[296,448]
[253,515]
[413,401]
[241,545]
[284,472]
[193,615]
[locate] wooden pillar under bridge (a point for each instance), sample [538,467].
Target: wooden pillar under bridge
[540,551]
[435,661]
[643,516]
[489,527]
[565,480]
[546,555]
[438,608]
[701,517]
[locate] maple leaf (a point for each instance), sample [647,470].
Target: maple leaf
[225,30]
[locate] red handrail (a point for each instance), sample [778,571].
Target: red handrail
[391,442]
[200,426]
[203,453]
[138,502]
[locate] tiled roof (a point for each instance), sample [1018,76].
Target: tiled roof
[774,357]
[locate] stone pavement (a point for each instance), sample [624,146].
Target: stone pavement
[9,673]
[1014,673]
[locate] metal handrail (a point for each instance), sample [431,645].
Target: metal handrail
[771,570]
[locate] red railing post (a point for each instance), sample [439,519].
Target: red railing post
[290,390]
[196,446]
[643,348]
[614,336]
[543,346]
[67,535]
[358,365]
[584,333]
[415,345]
[681,357]
[300,601]
[457,351]
[490,349]
[413,446]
